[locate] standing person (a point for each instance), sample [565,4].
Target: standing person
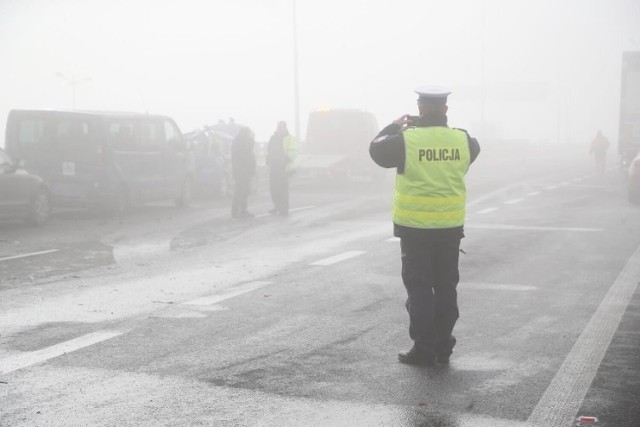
[599,147]
[243,168]
[281,152]
[428,216]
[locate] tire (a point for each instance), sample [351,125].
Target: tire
[40,208]
[186,192]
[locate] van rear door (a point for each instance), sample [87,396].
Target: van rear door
[143,165]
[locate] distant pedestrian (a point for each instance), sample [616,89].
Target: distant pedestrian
[243,169]
[431,160]
[599,147]
[281,153]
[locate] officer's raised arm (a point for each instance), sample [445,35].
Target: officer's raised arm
[387,148]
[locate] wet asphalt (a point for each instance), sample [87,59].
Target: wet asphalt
[199,319]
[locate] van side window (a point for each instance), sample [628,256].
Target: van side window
[151,136]
[30,132]
[174,139]
[72,134]
[121,136]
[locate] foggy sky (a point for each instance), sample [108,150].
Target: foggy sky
[549,69]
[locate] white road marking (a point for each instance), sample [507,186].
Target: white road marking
[8,258]
[513,201]
[551,187]
[23,360]
[393,239]
[337,258]
[496,287]
[302,208]
[529,228]
[563,398]
[534,193]
[487,210]
[229,293]
[491,195]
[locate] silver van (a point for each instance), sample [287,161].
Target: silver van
[103,160]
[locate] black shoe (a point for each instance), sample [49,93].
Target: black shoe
[415,357]
[443,355]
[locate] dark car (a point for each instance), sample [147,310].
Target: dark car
[634,180]
[22,194]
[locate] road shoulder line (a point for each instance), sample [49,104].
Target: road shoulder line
[563,398]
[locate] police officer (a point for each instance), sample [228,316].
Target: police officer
[243,169]
[428,216]
[281,153]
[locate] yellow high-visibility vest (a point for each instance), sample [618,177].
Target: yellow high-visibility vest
[290,150]
[431,192]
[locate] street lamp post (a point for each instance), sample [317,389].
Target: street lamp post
[296,87]
[73,81]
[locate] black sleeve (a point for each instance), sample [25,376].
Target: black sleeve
[474,147]
[387,149]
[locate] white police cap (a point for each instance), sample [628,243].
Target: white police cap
[432,94]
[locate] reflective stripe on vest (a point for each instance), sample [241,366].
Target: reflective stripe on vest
[431,193]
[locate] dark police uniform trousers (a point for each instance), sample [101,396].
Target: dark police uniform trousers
[430,275]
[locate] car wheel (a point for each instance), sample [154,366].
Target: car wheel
[40,209]
[184,199]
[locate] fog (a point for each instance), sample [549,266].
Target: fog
[543,71]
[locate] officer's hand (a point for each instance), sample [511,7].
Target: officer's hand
[402,121]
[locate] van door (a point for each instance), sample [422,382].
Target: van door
[72,159]
[177,160]
[147,170]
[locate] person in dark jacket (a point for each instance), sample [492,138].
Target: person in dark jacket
[431,160]
[243,168]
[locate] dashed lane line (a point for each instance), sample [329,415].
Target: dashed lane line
[534,193]
[530,228]
[496,287]
[564,396]
[487,210]
[338,258]
[8,258]
[229,293]
[513,201]
[23,360]
[302,208]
